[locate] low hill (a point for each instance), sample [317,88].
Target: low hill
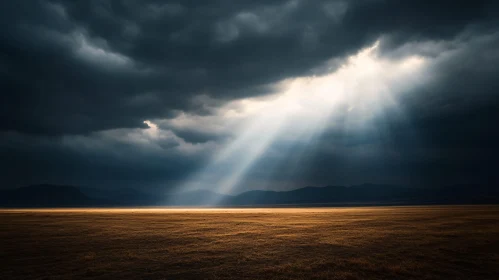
[366,194]
[48,196]
[372,194]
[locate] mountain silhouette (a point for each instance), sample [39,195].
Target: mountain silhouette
[366,194]
[48,196]
[372,194]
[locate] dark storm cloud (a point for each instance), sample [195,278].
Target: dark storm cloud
[81,66]
[70,70]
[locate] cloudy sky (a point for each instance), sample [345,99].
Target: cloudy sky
[238,95]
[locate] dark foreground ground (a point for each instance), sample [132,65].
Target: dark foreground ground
[449,242]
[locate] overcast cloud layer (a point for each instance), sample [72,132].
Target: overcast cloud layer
[147,94]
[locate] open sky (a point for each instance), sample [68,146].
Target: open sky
[238,95]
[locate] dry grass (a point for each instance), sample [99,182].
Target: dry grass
[458,242]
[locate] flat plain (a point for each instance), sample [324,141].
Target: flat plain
[427,242]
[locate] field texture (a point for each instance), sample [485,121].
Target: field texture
[455,242]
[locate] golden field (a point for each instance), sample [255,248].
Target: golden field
[434,242]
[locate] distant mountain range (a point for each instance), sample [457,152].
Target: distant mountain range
[47,196]
[366,194]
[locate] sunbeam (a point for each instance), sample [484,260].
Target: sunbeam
[358,91]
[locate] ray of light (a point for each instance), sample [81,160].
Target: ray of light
[360,89]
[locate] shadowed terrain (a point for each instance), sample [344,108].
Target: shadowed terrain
[56,196]
[452,242]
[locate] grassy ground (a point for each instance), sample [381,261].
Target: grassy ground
[454,242]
